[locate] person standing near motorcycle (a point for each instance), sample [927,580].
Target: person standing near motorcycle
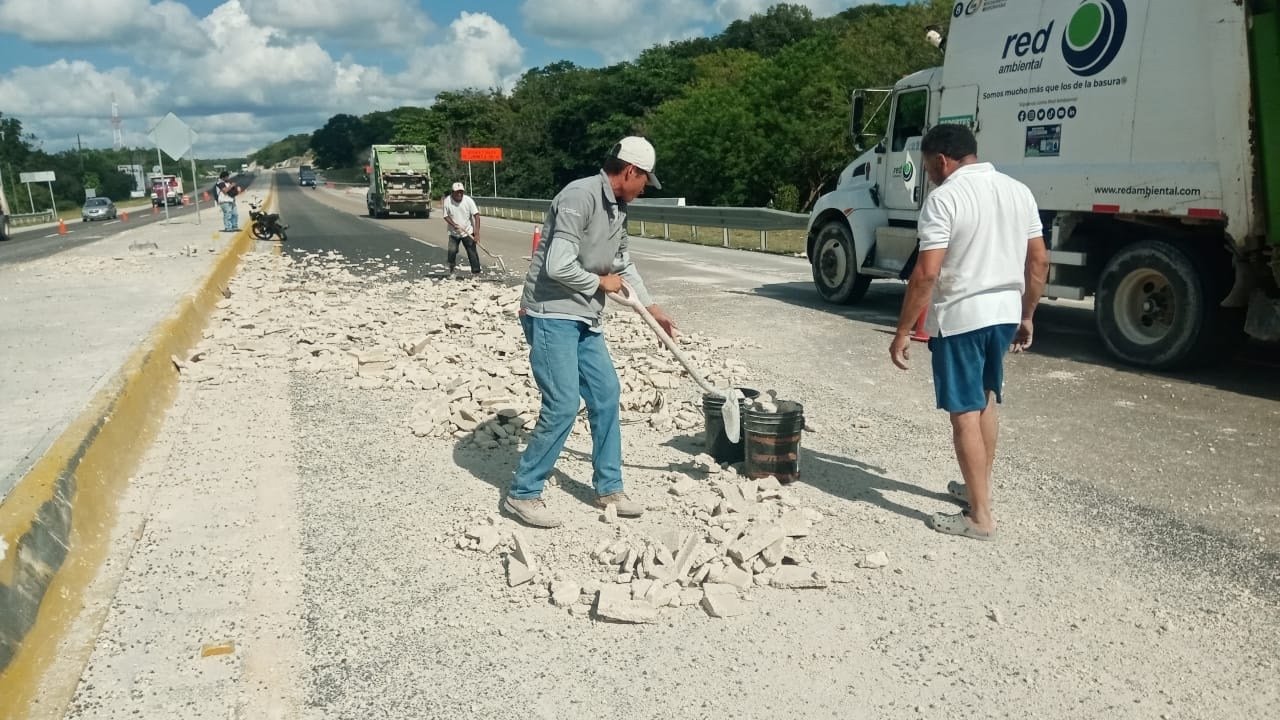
[463,218]
[225,193]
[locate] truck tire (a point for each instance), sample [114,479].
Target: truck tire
[372,213]
[834,266]
[1157,307]
[6,230]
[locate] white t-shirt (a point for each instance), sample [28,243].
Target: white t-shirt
[460,213]
[983,218]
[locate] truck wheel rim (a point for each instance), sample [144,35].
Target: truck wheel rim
[831,262]
[1146,308]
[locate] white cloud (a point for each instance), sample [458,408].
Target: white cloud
[620,31]
[99,22]
[248,84]
[617,31]
[478,52]
[393,21]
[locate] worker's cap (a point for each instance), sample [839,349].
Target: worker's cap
[456,187]
[637,151]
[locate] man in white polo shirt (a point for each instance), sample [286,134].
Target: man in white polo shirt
[981,269]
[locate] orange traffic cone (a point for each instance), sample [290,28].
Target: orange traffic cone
[62,227]
[155,209]
[920,335]
[205,196]
[186,200]
[124,217]
[537,238]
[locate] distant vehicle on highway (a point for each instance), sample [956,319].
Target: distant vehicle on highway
[306,176]
[5,230]
[98,208]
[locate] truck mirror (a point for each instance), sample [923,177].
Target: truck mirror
[855,119]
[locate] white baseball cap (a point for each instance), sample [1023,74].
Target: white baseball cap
[457,186]
[637,151]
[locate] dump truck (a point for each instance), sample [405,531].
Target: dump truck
[399,180]
[166,190]
[1149,134]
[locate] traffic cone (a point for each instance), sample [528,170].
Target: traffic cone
[62,227]
[537,238]
[155,209]
[124,217]
[205,196]
[186,200]
[920,335]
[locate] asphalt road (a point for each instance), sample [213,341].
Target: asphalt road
[42,241]
[1196,448]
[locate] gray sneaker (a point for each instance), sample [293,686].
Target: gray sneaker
[625,506]
[533,511]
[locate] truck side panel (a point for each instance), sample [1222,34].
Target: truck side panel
[1265,36]
[1111,105]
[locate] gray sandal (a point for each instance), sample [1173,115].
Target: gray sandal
[959,524]
[958,491]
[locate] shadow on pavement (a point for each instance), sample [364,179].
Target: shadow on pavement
[1063,333]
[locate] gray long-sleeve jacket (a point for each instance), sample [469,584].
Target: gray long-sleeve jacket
[584,237]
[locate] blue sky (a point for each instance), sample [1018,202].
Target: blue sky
[244,73]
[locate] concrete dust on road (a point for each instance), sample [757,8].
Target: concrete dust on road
[324,499]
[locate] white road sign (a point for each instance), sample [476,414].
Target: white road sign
[44,177]
[172,136]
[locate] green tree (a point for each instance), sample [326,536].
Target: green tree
[336,144]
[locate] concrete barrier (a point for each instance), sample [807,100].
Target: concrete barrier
[55,525]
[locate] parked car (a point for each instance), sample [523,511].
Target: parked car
[98,208]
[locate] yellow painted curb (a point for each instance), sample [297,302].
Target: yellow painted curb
[56,524]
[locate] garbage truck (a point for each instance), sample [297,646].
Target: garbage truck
[1149,133]
[399,180]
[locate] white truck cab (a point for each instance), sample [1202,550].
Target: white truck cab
[1139,131]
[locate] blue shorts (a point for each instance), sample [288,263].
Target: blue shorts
[967,365]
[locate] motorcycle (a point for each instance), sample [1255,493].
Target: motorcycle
[265,225]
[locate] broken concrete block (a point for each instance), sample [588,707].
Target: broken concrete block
[523,551]
[736,577]
[684,559]
[610,514]
[721,601]
[768,484]
[564,593]
[690,596]
[614,602]
[793,577]
[795,523]
[683,487]
[517,572]
[874,561]
[773,554]
[755,541]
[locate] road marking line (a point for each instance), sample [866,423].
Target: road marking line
[53,235]
[424,242]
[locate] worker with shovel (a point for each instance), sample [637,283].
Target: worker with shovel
[463,218]
[583,257]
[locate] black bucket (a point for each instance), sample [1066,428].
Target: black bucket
[715,439]
[773,441]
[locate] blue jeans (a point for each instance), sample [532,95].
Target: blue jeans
[230,218]
[570,361]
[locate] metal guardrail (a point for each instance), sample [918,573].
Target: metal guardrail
[23,219]
[763,220]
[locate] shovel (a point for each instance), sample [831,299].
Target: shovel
[501,265]
[729,411]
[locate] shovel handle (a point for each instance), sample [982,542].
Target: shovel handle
[628,297]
